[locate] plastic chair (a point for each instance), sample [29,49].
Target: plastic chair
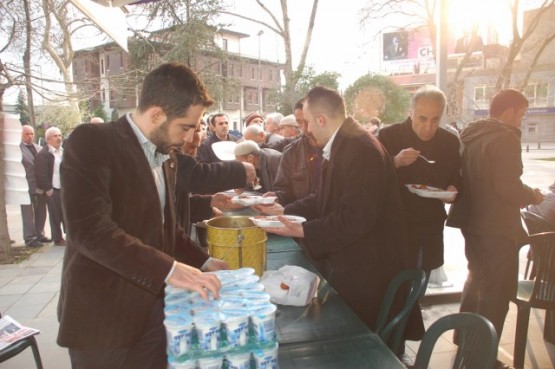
[15,348]
[534,224]
[539,293]
[391,332]
[476,336]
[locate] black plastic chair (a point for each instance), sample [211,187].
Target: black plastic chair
[538,293]
[477,341]
[534,224]
[17,347]
[391,332]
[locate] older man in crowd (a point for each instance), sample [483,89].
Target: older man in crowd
[265,161]
[420,135]
[272,128]
[47,171]
[255,133]
[33,215]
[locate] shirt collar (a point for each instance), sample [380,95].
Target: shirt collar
[52,150]
[155,159]
[326,151]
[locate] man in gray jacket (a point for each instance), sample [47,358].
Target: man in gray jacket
[265,161]
[488,212]
[33,215]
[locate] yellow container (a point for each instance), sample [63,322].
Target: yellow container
[238,241]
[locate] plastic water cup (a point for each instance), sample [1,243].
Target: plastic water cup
[239,360]
[266,357]
[208,331]
[263,320]
[179,333]
[236,329]
[210,362]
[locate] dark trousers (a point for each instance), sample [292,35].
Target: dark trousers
[492,277]
[148,353]
[55,215]
[33,217]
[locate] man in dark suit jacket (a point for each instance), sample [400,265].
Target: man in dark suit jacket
[354,229]
[33,215]
[47,171]
[124,244]
[219,125]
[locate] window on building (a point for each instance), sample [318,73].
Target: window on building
[107,62]
[231,70]
[224,44]
[253,76]
[240,71]
[537,93]
[103,97]
[101,65]
[483,95]
[270,75]
[224,69]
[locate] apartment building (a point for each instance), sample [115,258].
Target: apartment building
[239,83]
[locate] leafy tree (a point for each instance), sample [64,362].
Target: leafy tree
[375,95]
[309,79]
[99,112]
[282,29]
[21,108]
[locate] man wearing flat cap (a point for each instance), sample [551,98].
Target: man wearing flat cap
[253,118]
[265,161]
[289,129]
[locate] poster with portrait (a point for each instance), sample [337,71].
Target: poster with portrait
[395,45]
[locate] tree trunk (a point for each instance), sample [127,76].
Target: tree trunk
[27,64]
[5,243]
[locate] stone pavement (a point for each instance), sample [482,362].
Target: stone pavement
[29,293]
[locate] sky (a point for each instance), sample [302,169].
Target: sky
[339,43]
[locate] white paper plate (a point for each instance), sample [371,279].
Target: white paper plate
[224,150]
[249,200]
[271,221]
[430,192]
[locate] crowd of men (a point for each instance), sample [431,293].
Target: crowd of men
[131,189]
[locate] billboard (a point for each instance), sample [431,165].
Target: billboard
[411,51]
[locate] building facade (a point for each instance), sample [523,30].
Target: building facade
[240,84]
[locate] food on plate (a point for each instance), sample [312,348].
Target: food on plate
[272,221]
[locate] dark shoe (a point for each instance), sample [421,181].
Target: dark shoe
[500,365]
[35,243]
[61,242]
[45,239]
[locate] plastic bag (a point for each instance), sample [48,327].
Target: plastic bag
[290,285]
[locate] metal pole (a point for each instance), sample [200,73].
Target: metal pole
[259,75]
[441,51]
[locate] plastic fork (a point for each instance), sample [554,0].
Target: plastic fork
[426,160]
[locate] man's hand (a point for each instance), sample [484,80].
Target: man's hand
[405,157]
[455,193]
[187,277]
[538,196]
[291,229]
[222,201]
[216,264]
[271,209]
[250,172]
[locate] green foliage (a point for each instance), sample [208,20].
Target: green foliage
[394,99]
[60,115]
[307,80]
[22,108]
[99,112]
[115,115]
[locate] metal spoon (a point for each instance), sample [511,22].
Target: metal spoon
[426,160]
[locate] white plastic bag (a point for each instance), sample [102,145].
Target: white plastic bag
[290,285]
